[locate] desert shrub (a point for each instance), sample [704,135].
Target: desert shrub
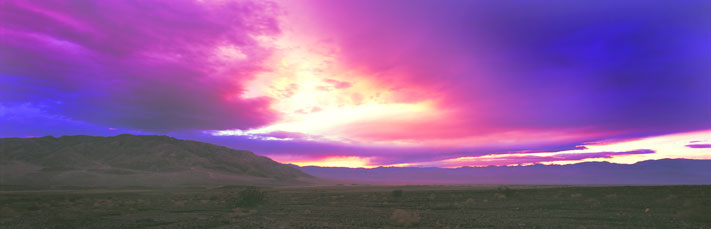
[693,211]
[432,196]
[249,197]
[404,218]
[6,212]
[505,192]
[396,193]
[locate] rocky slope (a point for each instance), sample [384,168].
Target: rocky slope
[136,160]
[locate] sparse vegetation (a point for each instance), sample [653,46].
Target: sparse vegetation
[250,197]
[361,207]
[396,193]
[404,218]
[505,192]
[247,198]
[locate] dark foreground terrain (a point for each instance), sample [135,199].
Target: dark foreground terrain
[362,207]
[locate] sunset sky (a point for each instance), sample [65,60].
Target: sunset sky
[368,83]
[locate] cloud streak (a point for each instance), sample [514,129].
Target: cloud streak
[699,146]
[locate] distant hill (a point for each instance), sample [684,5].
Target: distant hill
[653,172]
[135,160]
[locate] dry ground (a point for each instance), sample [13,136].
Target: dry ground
[364,207]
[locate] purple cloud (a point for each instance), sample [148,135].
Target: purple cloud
[513,159]
[699,146]
[580,156]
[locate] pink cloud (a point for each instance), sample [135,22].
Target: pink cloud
[513,159]
[338,84]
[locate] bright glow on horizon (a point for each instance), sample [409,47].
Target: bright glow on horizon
[337,161]
[665,146]
[318,99]
[623,152]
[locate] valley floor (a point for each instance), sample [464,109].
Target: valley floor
[364,207]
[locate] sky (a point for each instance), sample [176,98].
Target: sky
[368,83]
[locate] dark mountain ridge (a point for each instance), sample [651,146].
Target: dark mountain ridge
[135,160]
[652,172]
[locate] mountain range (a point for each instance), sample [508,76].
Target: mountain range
[162,161]
[652,172]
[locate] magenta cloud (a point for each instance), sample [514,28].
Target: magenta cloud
[148,65]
